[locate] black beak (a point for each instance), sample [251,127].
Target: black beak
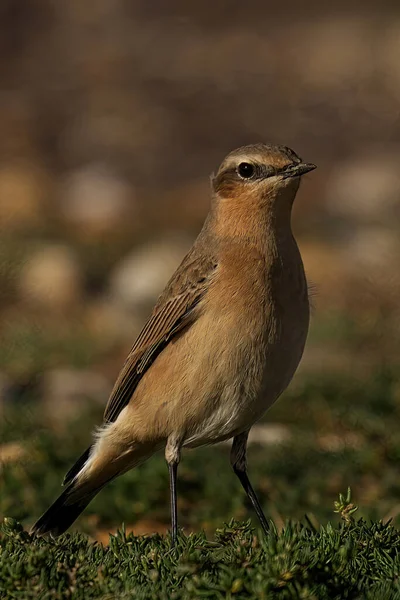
[297,169]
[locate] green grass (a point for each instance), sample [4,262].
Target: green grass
[349,560]
[343,432]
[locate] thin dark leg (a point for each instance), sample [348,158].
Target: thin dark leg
[248,488]
[239,464]
[173,470]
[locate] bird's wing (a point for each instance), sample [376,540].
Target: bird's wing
[176,309]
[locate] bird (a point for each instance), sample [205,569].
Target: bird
[221,344]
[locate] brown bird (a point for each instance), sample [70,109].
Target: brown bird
[221,345]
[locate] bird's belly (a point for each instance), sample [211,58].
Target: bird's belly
[230,415]
[237,408]
[244,382]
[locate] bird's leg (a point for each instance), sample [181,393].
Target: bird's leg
[173,469]
[239,464]
[172,456]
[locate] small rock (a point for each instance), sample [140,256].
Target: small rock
[23,190]
[366,189]
[95,198]
[332,442]
[12,452]
[112,321]
[66,391]
[269,434]
[51,278]
[374,251]
[141,276]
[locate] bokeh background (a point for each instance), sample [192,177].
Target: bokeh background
[112,116]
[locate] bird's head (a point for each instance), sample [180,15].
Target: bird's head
[260,173]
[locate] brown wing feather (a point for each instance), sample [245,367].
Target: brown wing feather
[175,310]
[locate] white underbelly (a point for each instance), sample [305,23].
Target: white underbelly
[231,416]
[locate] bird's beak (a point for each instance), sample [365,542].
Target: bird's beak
[297,169]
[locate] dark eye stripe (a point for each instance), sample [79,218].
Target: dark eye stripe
[247,170]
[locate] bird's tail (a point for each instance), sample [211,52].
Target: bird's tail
[107,458]
[62,513]
[85,480]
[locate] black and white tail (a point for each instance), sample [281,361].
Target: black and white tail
[61,514]
[108,457]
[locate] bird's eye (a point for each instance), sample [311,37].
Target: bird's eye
[245,170]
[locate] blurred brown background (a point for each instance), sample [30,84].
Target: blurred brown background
[112,116]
